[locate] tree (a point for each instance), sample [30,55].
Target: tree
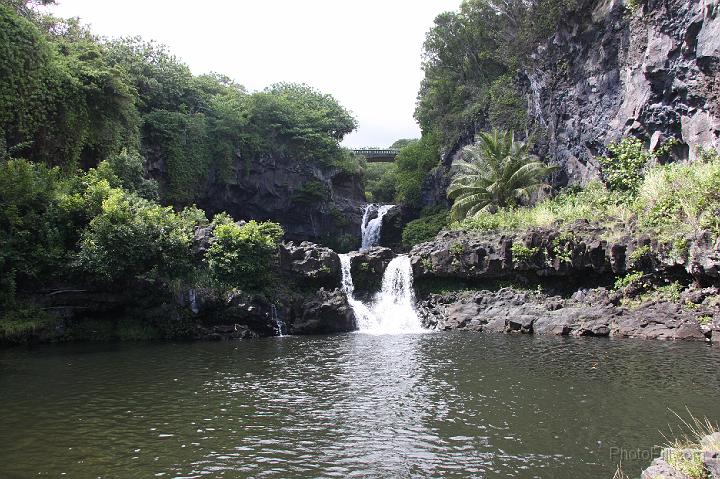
[403,142]
[413,163]
[60,101]
[133,237]
[241,255]
[471,59]
[500,172]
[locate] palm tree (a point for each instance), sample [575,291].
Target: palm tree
[499,172]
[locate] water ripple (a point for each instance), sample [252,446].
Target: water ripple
[440,405]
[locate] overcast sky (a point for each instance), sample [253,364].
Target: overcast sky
[364,52]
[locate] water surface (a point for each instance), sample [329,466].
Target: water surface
[429,405]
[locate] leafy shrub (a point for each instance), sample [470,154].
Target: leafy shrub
[594,203]
[425,228]
[639,254]
[312,192]
[241,255]
[127,170]
[705,319]
[520,252]
[507,109]
[687,462]
[457,249]
[672,202]
[380,182]
[30,241]
[562,246]
[681,197]
[623,169]
[22,321]
[133,237]
[624,281]
[347,162]
[182,142]
[670,292]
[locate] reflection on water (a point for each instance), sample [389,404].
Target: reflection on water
[432,405]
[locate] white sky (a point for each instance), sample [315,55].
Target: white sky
[364,52]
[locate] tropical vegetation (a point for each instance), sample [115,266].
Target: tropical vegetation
[498,172]
[84,122]
[672,202]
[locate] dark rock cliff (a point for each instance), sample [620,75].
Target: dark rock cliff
[321,204]
[614,71]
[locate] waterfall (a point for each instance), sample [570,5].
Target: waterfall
[279,324]
[370,228]
[392,310]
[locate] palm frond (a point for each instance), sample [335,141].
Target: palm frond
[497,171]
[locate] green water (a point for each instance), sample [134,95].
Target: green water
[429,405]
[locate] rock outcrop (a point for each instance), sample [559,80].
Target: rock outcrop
[321,204]
[582,252]
[648,68]
[670,294]
[367,268]
[392,227]
[651,71]
[675,463]
[597,312]
[327,312]
[311,263]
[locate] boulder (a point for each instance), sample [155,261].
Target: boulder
[311,262]
[367,268]
[660,468]
[249,315]
[704,258]
[392,227]
[327,312]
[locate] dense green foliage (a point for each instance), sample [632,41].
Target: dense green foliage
[133,237]
[85,122]
[425,228]
[499,173]
[69,98]
[55,228]
[413,163]
[380,182]
[240,255]
[61,102]
[401,181]
[471,58]
[672,202]
[623,169]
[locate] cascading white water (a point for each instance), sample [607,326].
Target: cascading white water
[363,315]
[392,311]
[370,229]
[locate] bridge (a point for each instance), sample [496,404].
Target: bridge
[377,155]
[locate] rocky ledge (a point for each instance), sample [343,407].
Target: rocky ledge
[580,252]
[596,312]
[579,282]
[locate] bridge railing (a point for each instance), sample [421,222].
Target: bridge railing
[377,151]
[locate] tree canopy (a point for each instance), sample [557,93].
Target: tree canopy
[471,58]
[71,99]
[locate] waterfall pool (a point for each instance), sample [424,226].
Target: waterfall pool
[451,405]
